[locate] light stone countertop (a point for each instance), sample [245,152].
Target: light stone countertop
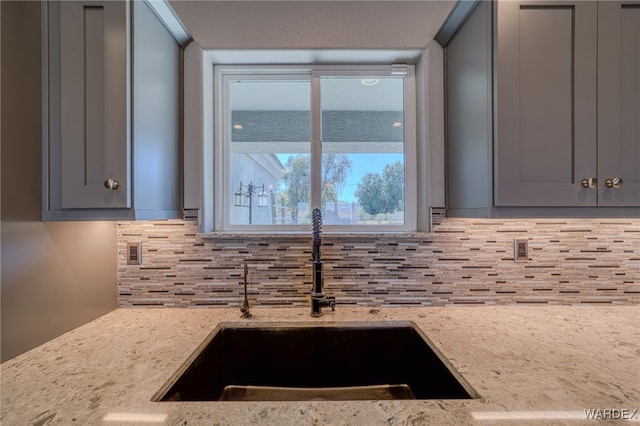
[549,363]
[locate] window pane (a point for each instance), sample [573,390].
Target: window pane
[363,151]
[270,145]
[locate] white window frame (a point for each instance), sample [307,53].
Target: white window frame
[313,73]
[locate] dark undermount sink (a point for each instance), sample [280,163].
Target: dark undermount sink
[292,361]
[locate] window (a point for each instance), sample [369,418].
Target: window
[338,138]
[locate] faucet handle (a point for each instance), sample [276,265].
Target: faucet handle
[331,300]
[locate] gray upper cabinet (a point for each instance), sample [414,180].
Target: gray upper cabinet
[112,150]
[559,84]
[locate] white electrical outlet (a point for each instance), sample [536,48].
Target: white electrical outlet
[134,253]
[520,250]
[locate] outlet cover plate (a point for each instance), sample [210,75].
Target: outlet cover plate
[520,250]
[134,253]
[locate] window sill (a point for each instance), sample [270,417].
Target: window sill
[326,236]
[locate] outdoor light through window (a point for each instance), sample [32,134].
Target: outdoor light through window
[238,197]
[243,197]
[263,198]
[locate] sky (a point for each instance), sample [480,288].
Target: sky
[361,165]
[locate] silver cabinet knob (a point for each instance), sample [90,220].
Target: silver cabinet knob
[616,182]
[111,184]
[589,183]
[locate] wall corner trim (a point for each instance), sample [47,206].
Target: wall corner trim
[165,13]
[454,21]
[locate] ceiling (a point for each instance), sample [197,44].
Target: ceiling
[313,24]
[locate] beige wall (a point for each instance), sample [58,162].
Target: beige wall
[55,276]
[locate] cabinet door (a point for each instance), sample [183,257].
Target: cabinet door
[94,104]
[619,102]
[546,103]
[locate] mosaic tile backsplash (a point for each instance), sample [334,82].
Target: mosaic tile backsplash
[462,262]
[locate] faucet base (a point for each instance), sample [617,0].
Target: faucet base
[318,300]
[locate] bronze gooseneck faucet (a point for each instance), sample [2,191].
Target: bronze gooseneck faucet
[318,297]
[245,304]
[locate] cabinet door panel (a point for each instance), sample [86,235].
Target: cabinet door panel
[545,95]
[94,104]
[546,114]
[619,101]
